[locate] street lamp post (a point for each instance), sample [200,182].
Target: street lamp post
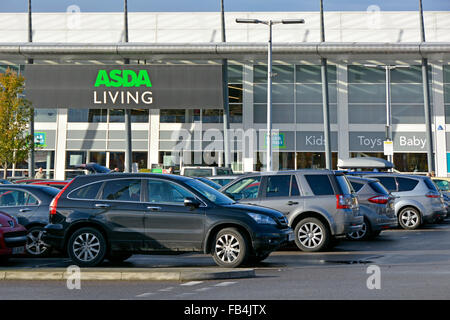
[270,23]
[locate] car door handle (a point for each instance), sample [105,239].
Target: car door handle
[151,208]
[102,205]
[290,203]
[25,210]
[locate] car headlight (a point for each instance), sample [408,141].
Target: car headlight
[261,218]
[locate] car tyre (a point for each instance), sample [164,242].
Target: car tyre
[230,248]
[311,235]
[409,218]
[117,258]
[35,247]
[87,247]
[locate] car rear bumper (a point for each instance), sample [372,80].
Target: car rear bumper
[53,235]
[431,218]
[268,242]
[382,223]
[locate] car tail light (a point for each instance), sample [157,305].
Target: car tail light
[432,195]
[54,202]
[344,201]
[379,199]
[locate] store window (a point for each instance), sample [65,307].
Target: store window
[98,157]
[140,158]
[45,115]
[411,162]
[87,115]
[314,160]
[117,160]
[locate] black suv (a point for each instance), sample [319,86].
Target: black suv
[113,216]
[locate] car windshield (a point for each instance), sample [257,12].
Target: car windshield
[379,188]
[198,172]
[344,184]
[210,193]
[443,185]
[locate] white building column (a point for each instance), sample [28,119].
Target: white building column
[439,137]
[60,144]
[342,112]
[249,146]
[153,139]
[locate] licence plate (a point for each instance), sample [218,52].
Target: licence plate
[18,250]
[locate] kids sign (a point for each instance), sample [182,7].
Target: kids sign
[124,86]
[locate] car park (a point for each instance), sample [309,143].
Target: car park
[205,171]
[116,215]
[418,199]
[29,204]
[376,205]
[319,204]
[13,237]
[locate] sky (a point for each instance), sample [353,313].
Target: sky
[214,5]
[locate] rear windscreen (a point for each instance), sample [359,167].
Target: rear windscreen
[378,188]
[344,185]
[198,172]
[430,185]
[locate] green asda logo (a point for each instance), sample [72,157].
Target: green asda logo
[122,78]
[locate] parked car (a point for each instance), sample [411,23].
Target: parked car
[319,204]
[205,171]
[224,180]
[418,199]
[13,237]
[443,185]
[59,184]
[116,215]
[4,181]
[29,204]
[209,182]
[376,205]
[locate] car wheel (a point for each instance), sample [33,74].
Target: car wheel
[116,258]
[230,248]
[35,247]
[362,234]
[409,218]
[311,235]
[87,247]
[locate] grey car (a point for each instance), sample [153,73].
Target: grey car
[377,206]
[319,204]
[30,205]
[418,199]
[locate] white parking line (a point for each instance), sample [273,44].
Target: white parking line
[166,289]
[203,289]
[143,295]
[191,283]
[225,284]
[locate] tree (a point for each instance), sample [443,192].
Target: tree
[15,114]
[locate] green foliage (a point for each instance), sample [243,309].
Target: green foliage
[15,115]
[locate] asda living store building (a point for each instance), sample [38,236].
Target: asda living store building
[80,87]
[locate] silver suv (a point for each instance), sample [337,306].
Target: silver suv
[319,204]
[418,202]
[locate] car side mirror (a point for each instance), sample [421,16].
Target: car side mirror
[191,202]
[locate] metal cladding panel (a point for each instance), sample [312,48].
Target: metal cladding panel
[125,86]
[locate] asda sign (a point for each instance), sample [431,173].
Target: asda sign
[124,86]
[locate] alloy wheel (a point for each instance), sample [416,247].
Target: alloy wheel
[409,218]
[359,234]
[310,235]
[86,247]
[227,248]
[35,246]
